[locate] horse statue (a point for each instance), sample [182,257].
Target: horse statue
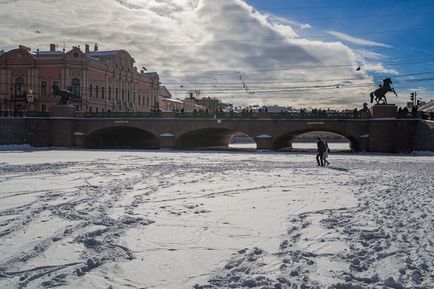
[65,94]
[380,93]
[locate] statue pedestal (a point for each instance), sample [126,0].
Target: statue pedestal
[62,110]
[384,111]
[365,114]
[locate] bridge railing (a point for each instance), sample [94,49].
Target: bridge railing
[233,115]
[267,115]
[206,115]
[124,115]
[23,113]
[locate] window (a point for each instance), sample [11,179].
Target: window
[102,92]
[117,93]
[96,108]
[44,88]
[129,100]
[96,91]
[19,87]
[123,95]
[75,87]
[90,109]
[110,93]
[90,93]
[43,107]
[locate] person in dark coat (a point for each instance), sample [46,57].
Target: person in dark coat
[321,150]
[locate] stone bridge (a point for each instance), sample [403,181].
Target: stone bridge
[66,128]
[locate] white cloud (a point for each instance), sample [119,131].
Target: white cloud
[378,67]
[287,22]
[371,55]
[356,40]
[203,44]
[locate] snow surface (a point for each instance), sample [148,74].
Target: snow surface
[170,219]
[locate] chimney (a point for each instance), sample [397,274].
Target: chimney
[52,47]
[95,48]
[86,48]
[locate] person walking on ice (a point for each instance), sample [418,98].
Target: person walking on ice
[326,154]
[321,149]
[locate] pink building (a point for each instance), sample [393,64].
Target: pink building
[101,81]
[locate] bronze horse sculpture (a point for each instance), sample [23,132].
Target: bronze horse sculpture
[380,93]
[65,94]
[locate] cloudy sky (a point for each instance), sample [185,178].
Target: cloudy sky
[285,52]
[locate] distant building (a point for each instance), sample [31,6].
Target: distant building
[190,105]
[101,81]
[167,103]
[164,92]
[275,109]
[170,104]
[427,107]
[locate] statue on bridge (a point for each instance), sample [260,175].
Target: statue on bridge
[65,94]
[380,93]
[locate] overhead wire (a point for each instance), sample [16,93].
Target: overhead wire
[221,70]
[375,4]
[292,81]
[172,43]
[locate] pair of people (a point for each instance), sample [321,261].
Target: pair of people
[323,152]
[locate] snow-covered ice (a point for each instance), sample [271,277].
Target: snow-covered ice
[170,219]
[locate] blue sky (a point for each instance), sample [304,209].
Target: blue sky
[405,27]
[246,52]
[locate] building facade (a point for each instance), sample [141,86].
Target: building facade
[167,103]
[100,81]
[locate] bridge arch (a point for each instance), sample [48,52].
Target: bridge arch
[122,137]
[285,140]
[207,138]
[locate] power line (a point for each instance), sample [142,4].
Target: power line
[340,6]
[257,8]
[313,87]
[306,19]
[175,43]
[292,81]
[217,70]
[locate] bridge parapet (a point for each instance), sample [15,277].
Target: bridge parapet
[69,128]
[206,115]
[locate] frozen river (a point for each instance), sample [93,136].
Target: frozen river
[166,219]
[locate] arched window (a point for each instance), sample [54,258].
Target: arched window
[75,87]
[19,87]
[44,87]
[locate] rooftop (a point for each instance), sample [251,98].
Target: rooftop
[47,52]
[98,54]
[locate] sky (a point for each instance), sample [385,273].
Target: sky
[283,52]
